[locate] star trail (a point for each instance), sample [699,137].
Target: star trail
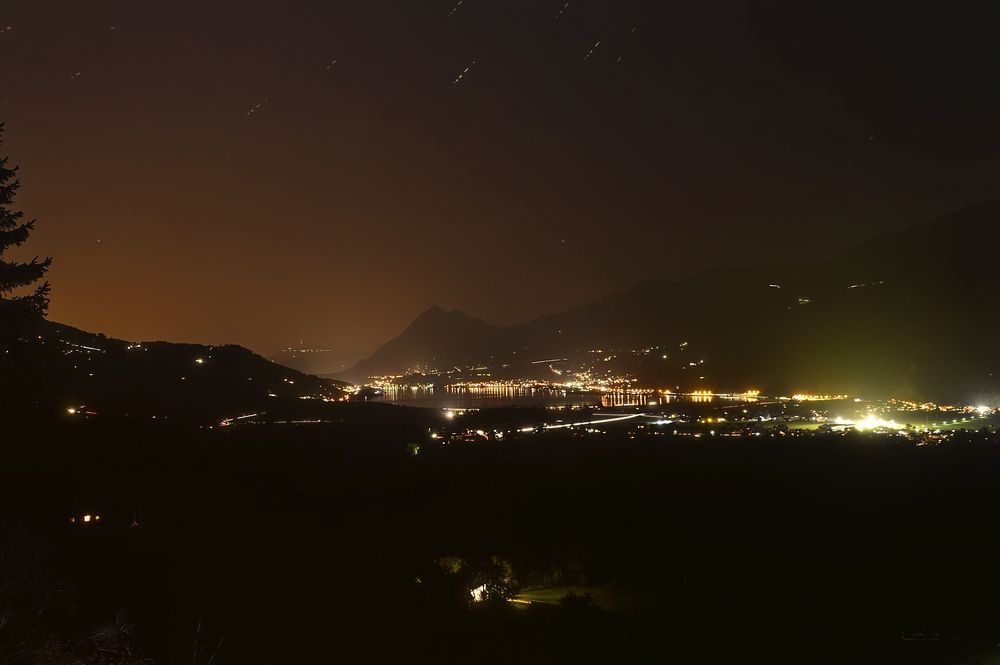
[269,172]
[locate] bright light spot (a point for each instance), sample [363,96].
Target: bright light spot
[806,397]
[71,411]
[871,422]
[86,518]
[478,594]
[199,361]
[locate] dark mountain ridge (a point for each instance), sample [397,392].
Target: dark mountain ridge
[883,317]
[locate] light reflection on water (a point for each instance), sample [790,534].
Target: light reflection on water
[484,397]
[453,397]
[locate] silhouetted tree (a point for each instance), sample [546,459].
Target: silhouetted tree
[17,312]
[25,360]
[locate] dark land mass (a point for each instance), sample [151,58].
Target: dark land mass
[911,315]
[336,543]
[136,529]
[62,368]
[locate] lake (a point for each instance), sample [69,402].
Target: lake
[485,397]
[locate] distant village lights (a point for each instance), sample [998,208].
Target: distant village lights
[86,518]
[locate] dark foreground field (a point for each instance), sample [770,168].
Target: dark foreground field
[336,543]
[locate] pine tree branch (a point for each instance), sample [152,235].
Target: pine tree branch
[18,275]
[8,191]
[9,219]
[27,307]
[16,236]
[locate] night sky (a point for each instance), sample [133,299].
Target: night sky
[268,172]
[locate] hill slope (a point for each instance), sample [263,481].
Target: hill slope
[97,376]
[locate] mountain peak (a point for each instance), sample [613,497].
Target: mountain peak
[436,313]
[916,291]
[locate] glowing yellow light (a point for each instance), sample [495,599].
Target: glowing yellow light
[806,397]
[86,518]
[871,422]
